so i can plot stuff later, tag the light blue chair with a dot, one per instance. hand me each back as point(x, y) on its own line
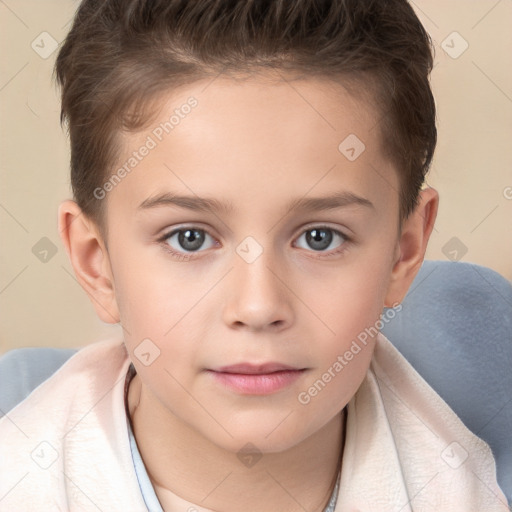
point(455, 328)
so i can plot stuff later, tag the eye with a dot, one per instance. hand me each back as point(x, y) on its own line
point(185, 240)
point(320, 238)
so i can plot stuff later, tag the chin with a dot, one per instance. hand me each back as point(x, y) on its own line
point(258, 436)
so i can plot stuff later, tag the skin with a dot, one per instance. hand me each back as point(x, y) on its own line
point(257, 144)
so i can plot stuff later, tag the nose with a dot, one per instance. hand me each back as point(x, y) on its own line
point(258, 296)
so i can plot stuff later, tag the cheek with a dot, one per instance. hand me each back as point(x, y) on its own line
point(350, 306)
point(151, 299)
point(352, 298)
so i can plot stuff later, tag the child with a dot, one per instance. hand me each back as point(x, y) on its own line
point(247, 199)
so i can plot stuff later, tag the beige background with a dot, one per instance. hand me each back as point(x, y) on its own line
point(42, 303)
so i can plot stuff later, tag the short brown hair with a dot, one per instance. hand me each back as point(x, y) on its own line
point(121, 54)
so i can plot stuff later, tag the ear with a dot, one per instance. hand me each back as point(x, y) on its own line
point(89, 258)
point(411, 246)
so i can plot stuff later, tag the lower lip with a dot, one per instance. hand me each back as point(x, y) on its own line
point(262, 384)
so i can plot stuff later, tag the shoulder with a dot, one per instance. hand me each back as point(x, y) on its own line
point(429, 437)
point(24, 369)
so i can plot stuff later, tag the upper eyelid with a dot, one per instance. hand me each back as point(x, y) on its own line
point(321, 225)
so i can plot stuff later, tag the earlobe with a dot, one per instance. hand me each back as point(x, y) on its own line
point(89, 258)
point(412, 245)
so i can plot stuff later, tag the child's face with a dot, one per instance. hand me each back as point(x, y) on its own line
point(262, 285)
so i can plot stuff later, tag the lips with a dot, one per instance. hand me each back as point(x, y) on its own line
point(256, 379)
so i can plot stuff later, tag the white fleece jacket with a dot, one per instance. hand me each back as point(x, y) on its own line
point(66, 447)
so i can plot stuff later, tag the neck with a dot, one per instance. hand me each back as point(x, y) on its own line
point(188, 469)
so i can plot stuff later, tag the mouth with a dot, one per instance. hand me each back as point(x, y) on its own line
point(263, 379)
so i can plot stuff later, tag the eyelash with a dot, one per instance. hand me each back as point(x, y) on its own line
point(191, 255)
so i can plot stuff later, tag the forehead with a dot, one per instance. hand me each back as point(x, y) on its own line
point(256, 137)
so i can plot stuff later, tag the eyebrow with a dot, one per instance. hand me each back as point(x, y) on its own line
point(210, 205)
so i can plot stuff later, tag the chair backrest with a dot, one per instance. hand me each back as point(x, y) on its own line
point(455, 328)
